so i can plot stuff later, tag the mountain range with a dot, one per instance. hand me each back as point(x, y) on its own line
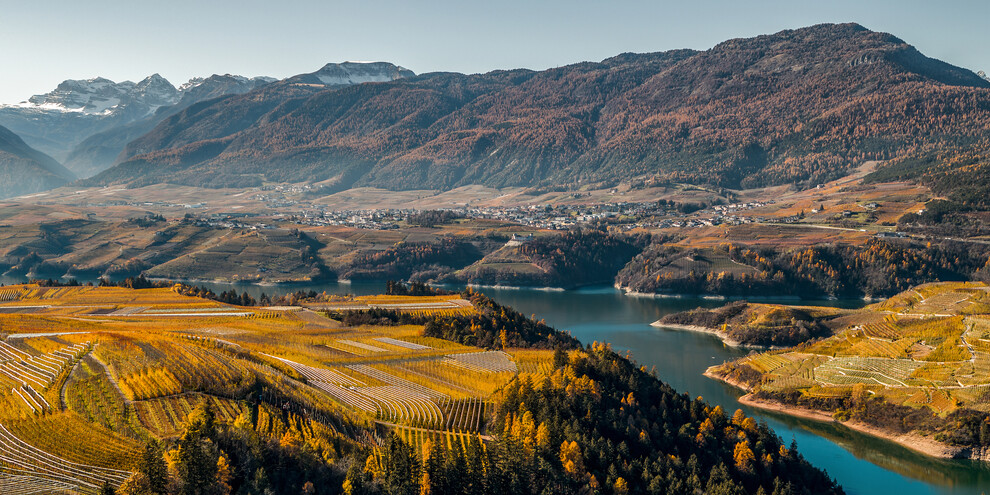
point(87, 123)
point(798, 106)
point(98, 151)
point(59, 122)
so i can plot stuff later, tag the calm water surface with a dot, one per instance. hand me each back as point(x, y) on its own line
point(861, 464)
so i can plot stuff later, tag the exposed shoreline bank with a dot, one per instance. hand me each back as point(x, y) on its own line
point(718, 297)
point(911, 440)
point(729, 341)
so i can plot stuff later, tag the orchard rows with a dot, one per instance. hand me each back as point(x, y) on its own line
point(26, 375)
point(28, 468)
point(379, 390)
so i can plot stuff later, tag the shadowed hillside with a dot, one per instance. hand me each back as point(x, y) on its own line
point(24, 170)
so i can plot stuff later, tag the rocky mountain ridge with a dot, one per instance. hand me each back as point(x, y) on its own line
point(87, 123)
point(57, 121)
point(798, 106)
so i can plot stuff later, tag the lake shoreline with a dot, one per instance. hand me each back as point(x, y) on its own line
point(729, 341)
point(911, 440)
point(285, 283)
point(720, 297)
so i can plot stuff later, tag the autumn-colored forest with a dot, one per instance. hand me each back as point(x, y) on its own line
point(797, 106)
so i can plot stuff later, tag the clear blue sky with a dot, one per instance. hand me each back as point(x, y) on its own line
point(42, 43)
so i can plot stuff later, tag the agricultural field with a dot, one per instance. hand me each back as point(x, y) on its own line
point(116, 367)
point(449, 305)
point(927, 347)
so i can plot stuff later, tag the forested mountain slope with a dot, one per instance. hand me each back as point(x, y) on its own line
point(798, 105)
point(99, 151)
point(25, 170)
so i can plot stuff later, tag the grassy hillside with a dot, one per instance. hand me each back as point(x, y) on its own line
point(180, 249)
point(760, 325)
point(572, 259)
point(874, 267)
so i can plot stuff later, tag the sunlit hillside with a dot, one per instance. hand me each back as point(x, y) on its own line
point(136, 391)
point(899, 364)
point(113, 367)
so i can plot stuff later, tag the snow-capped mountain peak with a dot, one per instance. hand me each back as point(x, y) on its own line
point(61, 121)
point(192, 83)
point(983, 75)
point(101, 96)
point(198, 81)
point(202, 88)
point(347, 73)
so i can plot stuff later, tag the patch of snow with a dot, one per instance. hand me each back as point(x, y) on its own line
point(190, 84)
point(101, 105)
point(347, 73)
point(45, 107)
point(353, 79)
point(100, 96)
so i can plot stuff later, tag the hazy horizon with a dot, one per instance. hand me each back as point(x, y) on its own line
point(121, 41)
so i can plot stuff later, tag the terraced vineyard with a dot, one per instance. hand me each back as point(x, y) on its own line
point(7, 295)
point(928, 347)
point(92, 394)
point(852, 370)
point(384, 390)
point(485, 362)
point(33, 467)
point(464, 414)
point(115, 367)
point(419, 306)
point(29, 376)
point(32, 485)
point(418, 437)
point(165, 417)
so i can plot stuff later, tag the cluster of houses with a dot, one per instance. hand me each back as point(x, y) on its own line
point(623, 215)
point(627, 216)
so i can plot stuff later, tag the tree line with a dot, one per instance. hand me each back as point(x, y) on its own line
point(493, 327)
point(879, 268)
point(597, 425)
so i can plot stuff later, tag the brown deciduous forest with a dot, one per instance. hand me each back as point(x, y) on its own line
point(798, 106)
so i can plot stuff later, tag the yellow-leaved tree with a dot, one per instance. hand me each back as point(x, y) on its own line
point(743, 457)
point(571, 458)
